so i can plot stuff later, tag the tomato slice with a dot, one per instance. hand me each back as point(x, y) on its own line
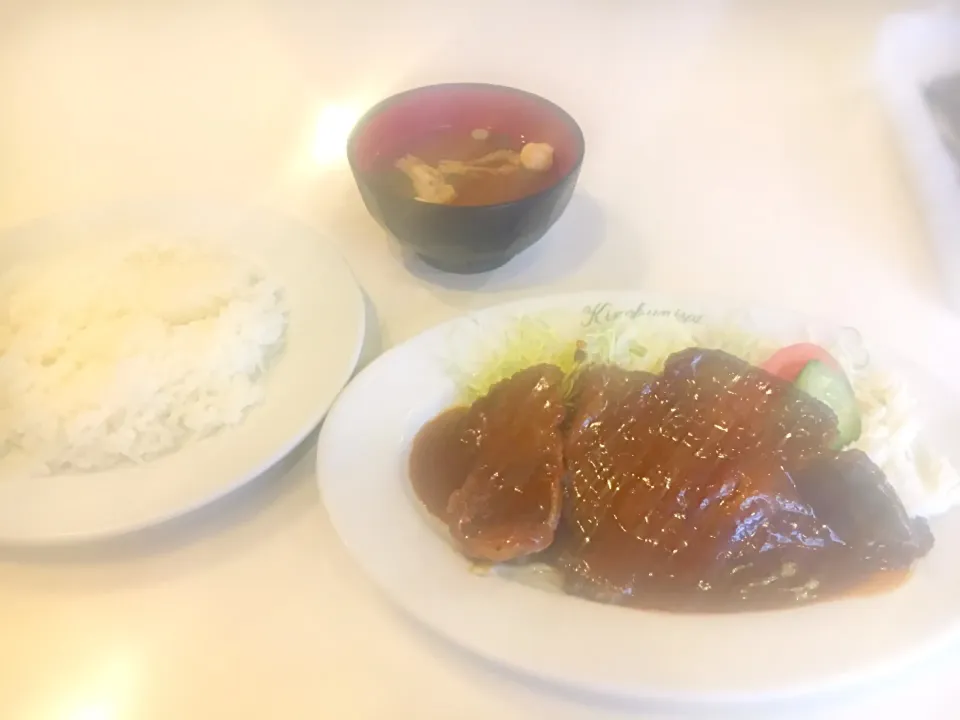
point(787, 362)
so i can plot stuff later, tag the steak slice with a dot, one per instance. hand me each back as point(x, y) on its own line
point(509, 503)
point(596, 386)
point(849, 493)
point(743, 538)
point(690, 494)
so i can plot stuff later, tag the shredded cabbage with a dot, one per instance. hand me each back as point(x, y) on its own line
point(634, 344)
point(926, 481)
point(529, 341)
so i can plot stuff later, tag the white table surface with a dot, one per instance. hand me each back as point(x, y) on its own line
point(734, 148)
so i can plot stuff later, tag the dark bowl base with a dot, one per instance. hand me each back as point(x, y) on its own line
point(466, 266)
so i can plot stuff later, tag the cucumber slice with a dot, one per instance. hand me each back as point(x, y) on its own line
point(831, 387)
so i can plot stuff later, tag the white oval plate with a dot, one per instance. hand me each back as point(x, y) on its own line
point(362, 472)
point(324, 336)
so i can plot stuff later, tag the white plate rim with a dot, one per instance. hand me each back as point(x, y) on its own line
point(192, 216)
point(545, 665)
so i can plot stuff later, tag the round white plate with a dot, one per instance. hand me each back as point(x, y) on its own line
point(362, 472)
point(324, 336)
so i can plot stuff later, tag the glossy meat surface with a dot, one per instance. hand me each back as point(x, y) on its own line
point(688, 495)
point(509, 502)
point(849, 493)
point(711, 487)
point(599, 385)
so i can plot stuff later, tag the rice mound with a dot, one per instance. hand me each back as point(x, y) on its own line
point(124, 352)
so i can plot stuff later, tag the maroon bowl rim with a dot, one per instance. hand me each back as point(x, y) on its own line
point(392, 99)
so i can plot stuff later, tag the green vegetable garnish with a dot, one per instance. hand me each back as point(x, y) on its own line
point(530, 341)
point(831, 387)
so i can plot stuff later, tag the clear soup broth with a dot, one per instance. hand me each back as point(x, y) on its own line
point(482, 167)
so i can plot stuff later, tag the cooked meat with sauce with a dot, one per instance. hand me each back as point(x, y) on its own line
point(503, 478)
point(849, 493)
point(712, 487)
point(599, 385)
point(673, 487)
point(692, 493)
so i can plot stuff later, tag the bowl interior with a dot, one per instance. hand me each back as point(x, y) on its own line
point(385, 133)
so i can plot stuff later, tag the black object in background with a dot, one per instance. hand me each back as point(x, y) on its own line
point(943, 99)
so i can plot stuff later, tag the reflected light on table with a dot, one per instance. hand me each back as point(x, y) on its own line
point(331, 130)
point(105, 711)
point(104, 695)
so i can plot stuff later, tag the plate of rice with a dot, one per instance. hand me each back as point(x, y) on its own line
point(154, 358)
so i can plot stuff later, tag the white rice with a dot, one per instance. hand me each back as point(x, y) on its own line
point(124, 352)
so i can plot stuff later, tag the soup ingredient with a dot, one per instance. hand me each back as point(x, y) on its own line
point(429, 184)
point(709, 487)
point(829, 385)
point(506, 468)
point(499, 162)
point(452, 167)
point(126, 351)
point(537, 156)
point(787, 362)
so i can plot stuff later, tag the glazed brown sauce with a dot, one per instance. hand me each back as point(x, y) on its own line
point(439, 460)
point(441, 453)
point(882, 582)
point(473, 189)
